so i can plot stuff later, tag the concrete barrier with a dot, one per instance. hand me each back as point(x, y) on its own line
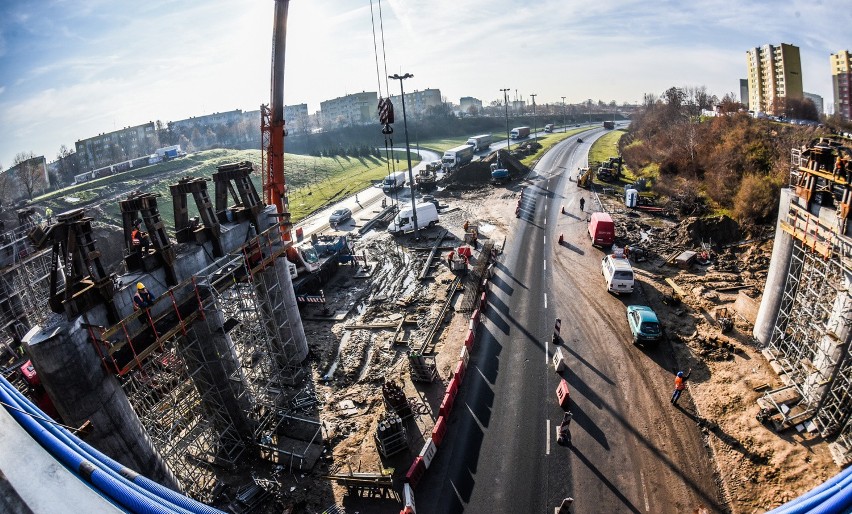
point(458, 373)
point(439, 431)
point(415, 472)
point(408, 498)
point(428, 452)
point(447, 404)
point(468, 342)
point(464, 356)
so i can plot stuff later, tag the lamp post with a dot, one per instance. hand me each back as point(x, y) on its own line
point(564, 126)
point(396, 76)
point(535, 137)
point(506, 104)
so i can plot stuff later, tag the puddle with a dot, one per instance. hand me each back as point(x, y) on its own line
point(344, 340)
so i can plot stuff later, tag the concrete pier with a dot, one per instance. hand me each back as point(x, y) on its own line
point(776, 278)
point(73, 375)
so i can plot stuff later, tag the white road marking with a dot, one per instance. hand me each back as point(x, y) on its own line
point(644, 491)
point(545, 300)
point(545, 240)
point(547, 438)
point(545, 264)
point(545, 220)
point(546, 352)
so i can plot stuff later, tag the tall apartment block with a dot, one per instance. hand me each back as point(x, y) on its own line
point(117, 146)
point(354, 109)
point(774, 72)
point(841, 79)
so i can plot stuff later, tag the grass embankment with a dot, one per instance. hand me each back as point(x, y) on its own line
point(604, 148)
point(313, 182)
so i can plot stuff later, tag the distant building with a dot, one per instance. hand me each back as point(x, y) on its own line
point(518, 105)
point(418, 103)
point(26, 179)
point(841, 80)
point(817, 100)
point(296, 118)
point(118, 146)
point(217, 119)
point(356, 109)
point(774, 73)
point(466, 103)
point(744, 92)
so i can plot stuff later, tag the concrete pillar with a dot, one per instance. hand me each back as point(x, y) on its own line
point(776, 278)
point(73, 375)
point(291, 342)
point(211, 360)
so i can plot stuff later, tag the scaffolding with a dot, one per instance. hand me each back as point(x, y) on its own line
point(810, 342)
point(206, 367)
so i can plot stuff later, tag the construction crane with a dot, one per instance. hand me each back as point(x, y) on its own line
point(272, 126)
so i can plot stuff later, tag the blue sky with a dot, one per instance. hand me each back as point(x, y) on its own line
point(71, 69)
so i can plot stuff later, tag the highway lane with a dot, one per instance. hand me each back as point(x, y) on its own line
point(632, 451)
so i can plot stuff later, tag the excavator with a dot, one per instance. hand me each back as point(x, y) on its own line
point(303, 254)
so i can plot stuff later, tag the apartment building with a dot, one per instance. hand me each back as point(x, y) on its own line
point(24, 180)
point(296, 117)
point(774, 73)
point(355, 109)
point(817, 100)
point(118, 146)
point(466, 103)
point(417, 103)
point(841, 80)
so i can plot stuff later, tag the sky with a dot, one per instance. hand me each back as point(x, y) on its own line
point(72, 69)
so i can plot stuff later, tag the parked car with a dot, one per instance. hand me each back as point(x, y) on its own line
point(430, 199)
point(339, 216)
point(644, 324)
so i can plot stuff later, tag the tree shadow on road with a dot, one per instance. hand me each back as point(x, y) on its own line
point(603, 479)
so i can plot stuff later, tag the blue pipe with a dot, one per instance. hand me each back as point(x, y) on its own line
point(115, 490)
point(840, 502)
point(115, 469)
point(814, 501)
point(816, 490)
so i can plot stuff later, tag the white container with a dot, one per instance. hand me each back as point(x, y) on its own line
point(631, 198)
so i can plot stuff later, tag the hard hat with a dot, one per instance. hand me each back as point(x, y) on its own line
point(679, 373)
point(140, 285)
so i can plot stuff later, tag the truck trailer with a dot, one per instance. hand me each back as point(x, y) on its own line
point(520, 132)
point(480, 143)
point(393, 181)
point(456, 157)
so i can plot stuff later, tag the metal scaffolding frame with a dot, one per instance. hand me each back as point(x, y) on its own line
point(181, 390)
point(813, 330)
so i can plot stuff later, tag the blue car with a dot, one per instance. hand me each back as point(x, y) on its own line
point(644, 324)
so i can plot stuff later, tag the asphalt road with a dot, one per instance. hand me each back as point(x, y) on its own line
point(632, 451)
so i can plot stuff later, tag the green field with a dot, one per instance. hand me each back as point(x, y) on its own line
point(549, 141)
point(602, 150)
point(313, 182)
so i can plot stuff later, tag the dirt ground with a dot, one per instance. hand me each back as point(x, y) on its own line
point(760, 469)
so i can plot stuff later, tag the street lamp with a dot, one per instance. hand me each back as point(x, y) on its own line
point(564, 126)
point(506, 104)
point(396, 76)
point(535, 137)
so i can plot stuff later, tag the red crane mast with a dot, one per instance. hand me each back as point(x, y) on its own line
point(272, 125)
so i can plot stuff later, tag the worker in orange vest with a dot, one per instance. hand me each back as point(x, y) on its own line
point(138, 239)
point(680, 385)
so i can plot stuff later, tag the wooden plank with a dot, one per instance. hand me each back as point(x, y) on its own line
point(676, 288)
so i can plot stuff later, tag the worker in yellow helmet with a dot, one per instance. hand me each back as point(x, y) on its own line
point(143, 298)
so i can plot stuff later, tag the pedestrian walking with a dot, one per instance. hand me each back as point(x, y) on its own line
point(582, 203)
point(680, 385)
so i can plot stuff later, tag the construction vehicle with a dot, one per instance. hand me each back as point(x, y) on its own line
point(610, 171)
point(303, 255)
point(426, 178)
point(584, 177)
point(499, 173)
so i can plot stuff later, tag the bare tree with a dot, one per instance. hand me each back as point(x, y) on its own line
point(29, 173)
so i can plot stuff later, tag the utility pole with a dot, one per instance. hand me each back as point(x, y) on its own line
point(396, 76)
point(564, 126)
point(535, 137)
point(506, 104)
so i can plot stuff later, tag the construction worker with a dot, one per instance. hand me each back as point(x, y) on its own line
point(466, 225)
point(582, 203)
point(680, 385)
point(143, 298)
point(48, 213)
point(138, 239)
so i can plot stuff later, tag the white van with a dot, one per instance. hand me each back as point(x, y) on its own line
point(427, 215)
point(618, 274)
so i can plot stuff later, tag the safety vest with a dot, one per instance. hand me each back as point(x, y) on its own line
point(136, 237)
point(680, 385)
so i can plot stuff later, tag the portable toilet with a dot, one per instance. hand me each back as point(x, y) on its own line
point(631, 198)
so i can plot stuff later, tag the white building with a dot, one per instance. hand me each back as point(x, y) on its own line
point(356, 109)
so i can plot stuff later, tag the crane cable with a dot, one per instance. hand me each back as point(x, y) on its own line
point(390, 163)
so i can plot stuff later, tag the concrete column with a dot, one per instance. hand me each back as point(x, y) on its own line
point(290, 341)
point(211, 360)
point(776, 278)
point(73, 375)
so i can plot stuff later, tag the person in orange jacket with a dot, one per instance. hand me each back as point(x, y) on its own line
point(680, 385)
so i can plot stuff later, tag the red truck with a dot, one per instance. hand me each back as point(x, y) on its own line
point(602, 229)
